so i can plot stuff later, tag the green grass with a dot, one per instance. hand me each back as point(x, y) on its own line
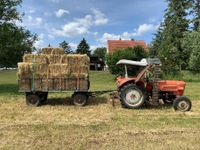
point(60, 125)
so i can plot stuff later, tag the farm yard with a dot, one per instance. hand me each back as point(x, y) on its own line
point(99, 125)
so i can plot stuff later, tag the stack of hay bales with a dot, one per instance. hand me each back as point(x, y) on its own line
point(54, 70)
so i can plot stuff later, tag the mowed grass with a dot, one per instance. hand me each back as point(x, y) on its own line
point(99, 125)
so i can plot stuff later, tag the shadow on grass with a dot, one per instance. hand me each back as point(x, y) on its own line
point(160, 106)
point(9, 89)
point(68, 101)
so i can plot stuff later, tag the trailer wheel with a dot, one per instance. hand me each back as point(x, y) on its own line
point(32, 99)
point(182, 103)
point(79, 99)
point(132, 96)
point(43, 97)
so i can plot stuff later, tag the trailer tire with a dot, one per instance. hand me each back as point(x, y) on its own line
point(132, 90)
point(43, 97)
point(32, 99)
point(182, 103)
point(79, 99)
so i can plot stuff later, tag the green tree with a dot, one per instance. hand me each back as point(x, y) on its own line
point(136, 53)
point(196, 14)
point(66, 47)
point(100, 52)
point(8, 10)
point(14, 41)
point(168, 40)
point(83, 47)
point(191, 43)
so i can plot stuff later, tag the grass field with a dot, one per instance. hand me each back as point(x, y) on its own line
point(59, 125)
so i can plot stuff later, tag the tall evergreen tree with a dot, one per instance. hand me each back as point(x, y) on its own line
point(83, 47)
point(66, 47)
point(168, 40)
point(196, 13)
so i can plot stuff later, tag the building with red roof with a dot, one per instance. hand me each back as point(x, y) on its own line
point(113, 45)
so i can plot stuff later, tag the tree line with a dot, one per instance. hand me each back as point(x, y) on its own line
point(176, 42)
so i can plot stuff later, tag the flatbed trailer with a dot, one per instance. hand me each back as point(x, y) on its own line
point(36, 90)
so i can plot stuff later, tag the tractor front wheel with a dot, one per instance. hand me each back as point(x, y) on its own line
point(132, 96)
point(182, 103)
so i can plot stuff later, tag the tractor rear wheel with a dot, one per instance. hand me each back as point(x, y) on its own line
point(79, 99)
point(182, 103)
point(132, 96)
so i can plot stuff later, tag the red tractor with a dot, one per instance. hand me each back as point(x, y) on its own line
point(147, 88)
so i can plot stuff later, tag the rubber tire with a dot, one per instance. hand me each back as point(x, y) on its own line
point(79, 99)
point(32, 100)
point(180, 99)
point(43, 97)
point(123, 96)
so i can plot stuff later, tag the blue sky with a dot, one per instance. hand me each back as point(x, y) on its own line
point(96, 20)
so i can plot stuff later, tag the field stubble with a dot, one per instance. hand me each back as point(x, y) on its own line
point(99, 125)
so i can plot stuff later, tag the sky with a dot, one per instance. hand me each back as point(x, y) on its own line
point(96, 20)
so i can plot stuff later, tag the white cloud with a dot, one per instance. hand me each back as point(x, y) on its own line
point(61, 12)
point(40, 42)
point(81, 26)
point(73, 46)
point(100, 18)
point(78, 26)
point(51, 36)
point(37, 22)
point(144, 28)
point(126, 35)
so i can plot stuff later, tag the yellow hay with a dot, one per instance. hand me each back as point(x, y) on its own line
point(57, 51)
point(54, 71)
point(54, 59)
point(39, 58)
point(47, 50)
point(27, 70)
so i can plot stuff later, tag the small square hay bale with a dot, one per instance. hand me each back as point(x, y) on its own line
point(69, 84)
point(54, 59)
point(54, 71)
point(79, 75)
point(83, 84)
point(39, 58)
point(26, 70)
point(65, 70)
point(24, 84)
point(40, 70)
point(57, 51)
point(47, 50)
point(41, 84)
point(54, 84)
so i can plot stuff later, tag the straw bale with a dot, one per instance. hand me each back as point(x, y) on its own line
point(47, 50)
point(79, 75)
point(25, 84)
point(54, 84)
point(26, 70)
point(65, 70)
point(77, 59)
point(54, 59)
point(39, 58)
point(54, 71)
point(57, 51)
